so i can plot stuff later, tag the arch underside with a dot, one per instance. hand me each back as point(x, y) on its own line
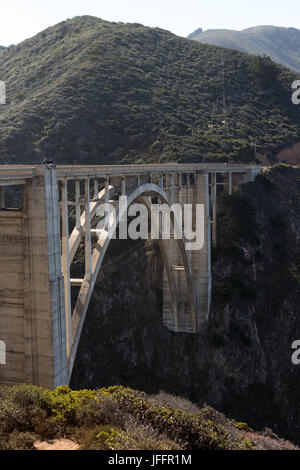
point(175, 276)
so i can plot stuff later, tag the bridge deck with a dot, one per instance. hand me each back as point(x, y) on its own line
point(16, 173)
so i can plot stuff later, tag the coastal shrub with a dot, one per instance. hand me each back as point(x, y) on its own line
point(65, 403)
point(114, 418)
point(173, 401)
point(190, 431)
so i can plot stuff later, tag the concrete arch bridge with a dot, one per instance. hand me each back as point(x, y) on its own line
point(42, 307)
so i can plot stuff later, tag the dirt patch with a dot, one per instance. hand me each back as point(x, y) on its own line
point(56, 444)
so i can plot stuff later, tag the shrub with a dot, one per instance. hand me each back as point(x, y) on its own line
point(18, 404)
point(243, 427)
point(114, 418)
point(65, 403)
point(173, 401)
point(102, 438)
point(190, 431)
point(104, 410)
point(21, 441)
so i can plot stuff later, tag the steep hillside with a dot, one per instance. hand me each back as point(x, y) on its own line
point(90, 91)
point(281, 44)
point(240, 363)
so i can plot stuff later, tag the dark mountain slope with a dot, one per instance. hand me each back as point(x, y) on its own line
point(281, 44)
point(89, 91)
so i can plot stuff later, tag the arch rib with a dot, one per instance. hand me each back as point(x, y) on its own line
point(77, 233)
point(99, 252)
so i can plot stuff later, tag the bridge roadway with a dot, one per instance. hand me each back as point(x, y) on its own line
point(9, 174)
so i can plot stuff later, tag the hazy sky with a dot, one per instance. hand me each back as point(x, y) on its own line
point(20, 19)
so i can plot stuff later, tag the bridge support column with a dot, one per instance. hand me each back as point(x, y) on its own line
point(230, 183)
point(66, 258)
point(87, 232)
point(44, 306)
point(201, 260)
point(214, 207)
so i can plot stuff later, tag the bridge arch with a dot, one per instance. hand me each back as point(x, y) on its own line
point(141, 194)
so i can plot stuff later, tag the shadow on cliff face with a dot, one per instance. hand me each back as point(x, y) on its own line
point(240, 362)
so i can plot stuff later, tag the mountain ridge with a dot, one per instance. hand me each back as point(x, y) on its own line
point(281, 44)
point(90, 91)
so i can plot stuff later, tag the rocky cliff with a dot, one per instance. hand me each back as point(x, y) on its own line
point(240, 363)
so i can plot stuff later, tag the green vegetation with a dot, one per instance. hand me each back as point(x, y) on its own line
point(119, 418)
point(243, 427)
point(281, 44)
point(89, 91)
point(112, 418)
point(264, 71)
